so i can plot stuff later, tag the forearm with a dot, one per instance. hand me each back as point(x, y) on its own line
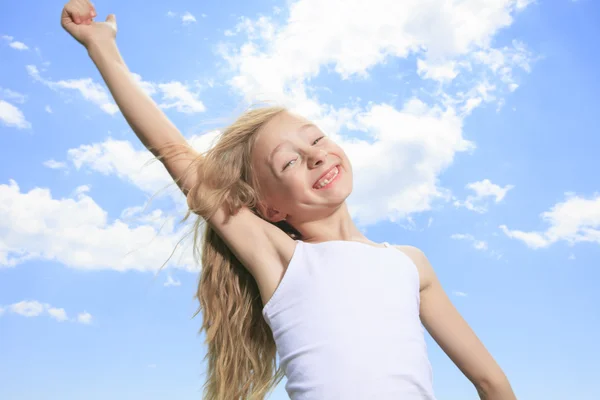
point(145, 118)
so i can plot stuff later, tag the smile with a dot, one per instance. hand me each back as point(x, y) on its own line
point(327, 178)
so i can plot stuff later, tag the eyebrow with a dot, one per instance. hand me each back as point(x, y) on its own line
point(300, 130)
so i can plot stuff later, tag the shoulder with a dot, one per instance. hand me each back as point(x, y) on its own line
point(418, 257)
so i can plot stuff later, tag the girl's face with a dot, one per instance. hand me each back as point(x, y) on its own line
point(303, 175)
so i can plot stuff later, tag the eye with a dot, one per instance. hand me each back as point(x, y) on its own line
point(289, 164)
point(318, 140)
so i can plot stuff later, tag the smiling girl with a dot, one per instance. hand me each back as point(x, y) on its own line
point(285, 271)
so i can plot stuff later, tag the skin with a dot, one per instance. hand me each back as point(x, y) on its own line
point(288, 193)
point(289, 157)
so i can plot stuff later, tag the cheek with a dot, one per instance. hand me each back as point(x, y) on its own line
point(285, 191)
point(295, 185)
point(341, 154)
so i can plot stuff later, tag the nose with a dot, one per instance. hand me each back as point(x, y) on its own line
point(316, 157)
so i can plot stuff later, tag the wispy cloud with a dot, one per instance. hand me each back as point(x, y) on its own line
point(53, 164)
point(172, 282)
point(485, 191)
point(186, 18)
point(34, 308)
point(14, 43)
point(8, 94)
point(84, 318)
point(12, 116)
point(577, 219)
point(90, 90)
point(477, 244)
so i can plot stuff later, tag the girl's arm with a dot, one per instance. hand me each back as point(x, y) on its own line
point(455, 337)
point(243, 232)
point(144, 117)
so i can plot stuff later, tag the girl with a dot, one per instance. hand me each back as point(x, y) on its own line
point(284, 269)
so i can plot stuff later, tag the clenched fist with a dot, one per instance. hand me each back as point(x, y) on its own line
point(78, 19)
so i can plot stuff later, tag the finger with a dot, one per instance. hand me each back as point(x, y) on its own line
point(84, 10)
point(112, 19)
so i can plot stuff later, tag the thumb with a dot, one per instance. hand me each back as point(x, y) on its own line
point(112, 19)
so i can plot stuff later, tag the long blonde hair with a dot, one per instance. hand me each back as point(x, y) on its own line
point(241, 350)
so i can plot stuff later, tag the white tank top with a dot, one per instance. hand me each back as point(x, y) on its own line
point(345, 318)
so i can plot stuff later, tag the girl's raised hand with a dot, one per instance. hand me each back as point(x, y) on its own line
point(78, 19)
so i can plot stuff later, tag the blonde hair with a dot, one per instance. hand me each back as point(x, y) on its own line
point(241, 349)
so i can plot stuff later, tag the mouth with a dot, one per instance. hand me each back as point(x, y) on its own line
point(327, 178)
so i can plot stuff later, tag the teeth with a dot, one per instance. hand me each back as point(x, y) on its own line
point(325, 181)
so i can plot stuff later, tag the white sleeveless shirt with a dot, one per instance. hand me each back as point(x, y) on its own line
point(345, 318)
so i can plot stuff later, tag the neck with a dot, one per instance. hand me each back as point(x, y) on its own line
point(336, 226)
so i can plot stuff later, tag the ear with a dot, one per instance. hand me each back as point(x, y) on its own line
point(270, 214)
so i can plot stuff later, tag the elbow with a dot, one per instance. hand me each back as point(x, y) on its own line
point(494, 388)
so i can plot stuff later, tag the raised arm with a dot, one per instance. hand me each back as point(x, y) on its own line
point(243, 232)
point(145, 118)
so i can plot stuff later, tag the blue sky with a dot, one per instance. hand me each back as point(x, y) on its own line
point(472, 127)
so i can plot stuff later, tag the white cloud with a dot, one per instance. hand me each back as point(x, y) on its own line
point(445, 71)
point(33, 308)
point(261, 28)
point(34, 72)
point(77, 232)
point(16, 97)
point(48, 109)
point(484, 190)
point(81, 190)
point(396, 174)
point(53, 164)
point(187, 18)
point(90, 90)
point(19, 46)
point(27, 308)
point(177, 95)
point(174, 94)
point(460, 294)
point(11, 116)
point(172, 282)
point(366, 34)
point(84, 318)
point(398, 153)
point(15, 44)
point(152, 366)
point(477, 244)
point(577, 219)
point(58, 314)
point(120, 158)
